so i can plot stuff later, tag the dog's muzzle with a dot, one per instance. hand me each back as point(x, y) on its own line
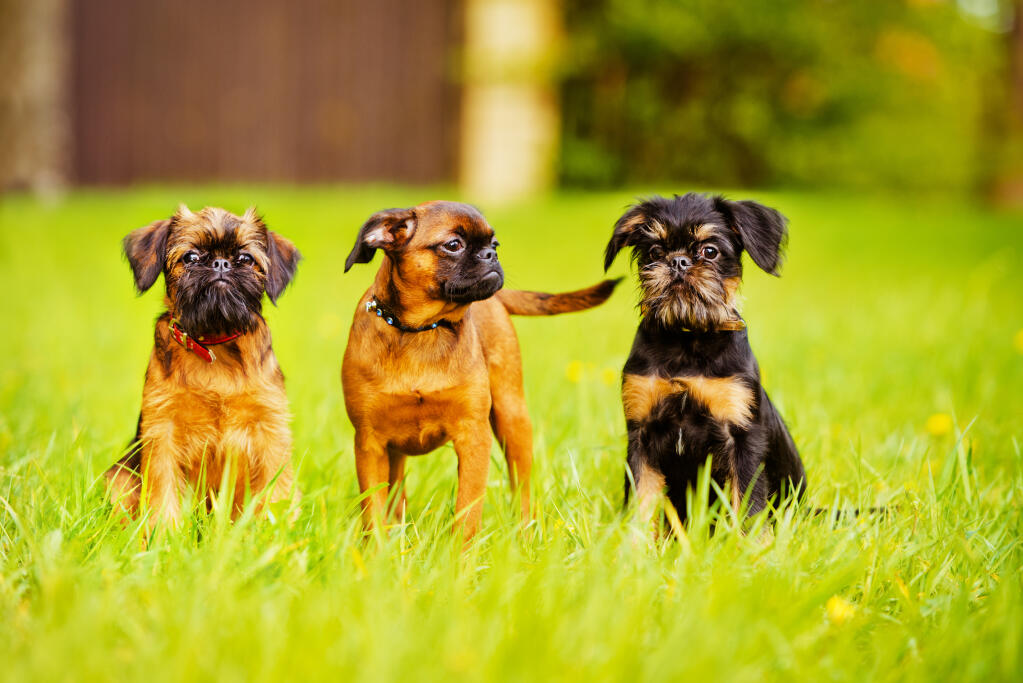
point(484, 288)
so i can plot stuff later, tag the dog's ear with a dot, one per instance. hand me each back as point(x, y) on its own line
point(284, 258)
point(281, 255)
point(624, 233)
point(390, 229)
point(146, 249)
point(762, 230)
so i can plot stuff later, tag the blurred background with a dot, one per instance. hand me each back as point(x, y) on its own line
point(512, 98)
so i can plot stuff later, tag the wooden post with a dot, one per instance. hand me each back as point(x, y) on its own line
point(34, 125)
point(510, 115)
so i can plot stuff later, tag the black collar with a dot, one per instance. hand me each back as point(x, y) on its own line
point(385, 314)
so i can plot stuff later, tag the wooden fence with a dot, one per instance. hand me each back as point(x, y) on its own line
point(264, 90)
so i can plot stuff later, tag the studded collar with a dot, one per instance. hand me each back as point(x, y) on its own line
point(374, 307)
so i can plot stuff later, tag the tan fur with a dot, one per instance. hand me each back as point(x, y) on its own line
point(649, 491)
point(712, 306)
point(655, 229)
point(201, 420)
point(410, 393)
point(640, 393)
point(540, 303)
point(705, 232)
point(727, 399)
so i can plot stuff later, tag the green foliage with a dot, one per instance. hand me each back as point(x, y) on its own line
point(891, 343)
point(790, 92)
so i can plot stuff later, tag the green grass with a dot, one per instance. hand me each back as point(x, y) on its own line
point(888, 312)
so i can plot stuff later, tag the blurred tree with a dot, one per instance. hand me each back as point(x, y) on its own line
point(33, 117)
point(1007, 115)
point(797, 92)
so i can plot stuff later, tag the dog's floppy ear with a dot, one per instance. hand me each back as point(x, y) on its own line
point(146, 249)
point(389, 229)
point(284, 258)
point(762, 230)
point(281, 255)
point(624, 232)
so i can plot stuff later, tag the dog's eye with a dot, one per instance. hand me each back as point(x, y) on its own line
point(494, 244)
point(710, 253)
point(190, 257)
point(244, 259)
point(453, 246)
point(656, 253)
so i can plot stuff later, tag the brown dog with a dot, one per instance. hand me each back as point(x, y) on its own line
point(213, 401)
point(432, 355)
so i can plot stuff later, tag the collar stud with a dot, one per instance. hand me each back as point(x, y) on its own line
point(393, 321)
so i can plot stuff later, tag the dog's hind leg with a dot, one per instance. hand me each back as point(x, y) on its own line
point(784, 467)
point(472, 445)
point(514, 431)
point(509, 416)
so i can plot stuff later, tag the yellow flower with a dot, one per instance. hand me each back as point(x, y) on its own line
point(839, 610)
point(939, 424)
point(1017, 341)
point(574, 371)
point(609, 376)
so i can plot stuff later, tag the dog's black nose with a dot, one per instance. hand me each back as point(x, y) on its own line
point(487, 254)
point(681, 262)
point(221, 264)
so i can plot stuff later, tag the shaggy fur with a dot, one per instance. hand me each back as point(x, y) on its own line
point(202, 421)
point(691, 385)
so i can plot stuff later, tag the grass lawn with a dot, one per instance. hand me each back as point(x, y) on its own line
point(892, 344)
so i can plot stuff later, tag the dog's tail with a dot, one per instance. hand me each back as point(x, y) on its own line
point(519, 302)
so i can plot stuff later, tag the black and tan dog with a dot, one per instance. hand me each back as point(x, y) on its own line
point(432, 355)
point(691, 385)
point(213, 400)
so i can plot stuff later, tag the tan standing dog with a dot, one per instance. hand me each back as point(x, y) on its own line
point(432, 355)
point(213, 400)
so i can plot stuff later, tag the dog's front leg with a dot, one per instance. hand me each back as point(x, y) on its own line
point(649, 482)
point(372, 466)
point(262, 449)
point(163, 482)
point(472, 445)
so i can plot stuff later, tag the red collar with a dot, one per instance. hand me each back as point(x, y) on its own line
point(198, 346)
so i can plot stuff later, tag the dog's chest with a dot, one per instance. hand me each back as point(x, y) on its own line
point(727, 400)
point(416, 405)
point(690, 377)
point(208, 421)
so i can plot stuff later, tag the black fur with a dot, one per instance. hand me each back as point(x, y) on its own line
point(205, 307)
point(679, 433)
point(762, 229)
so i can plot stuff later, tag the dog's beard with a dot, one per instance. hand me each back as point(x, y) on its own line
point(206, 305)
point(698, 300)
point(466, 292)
